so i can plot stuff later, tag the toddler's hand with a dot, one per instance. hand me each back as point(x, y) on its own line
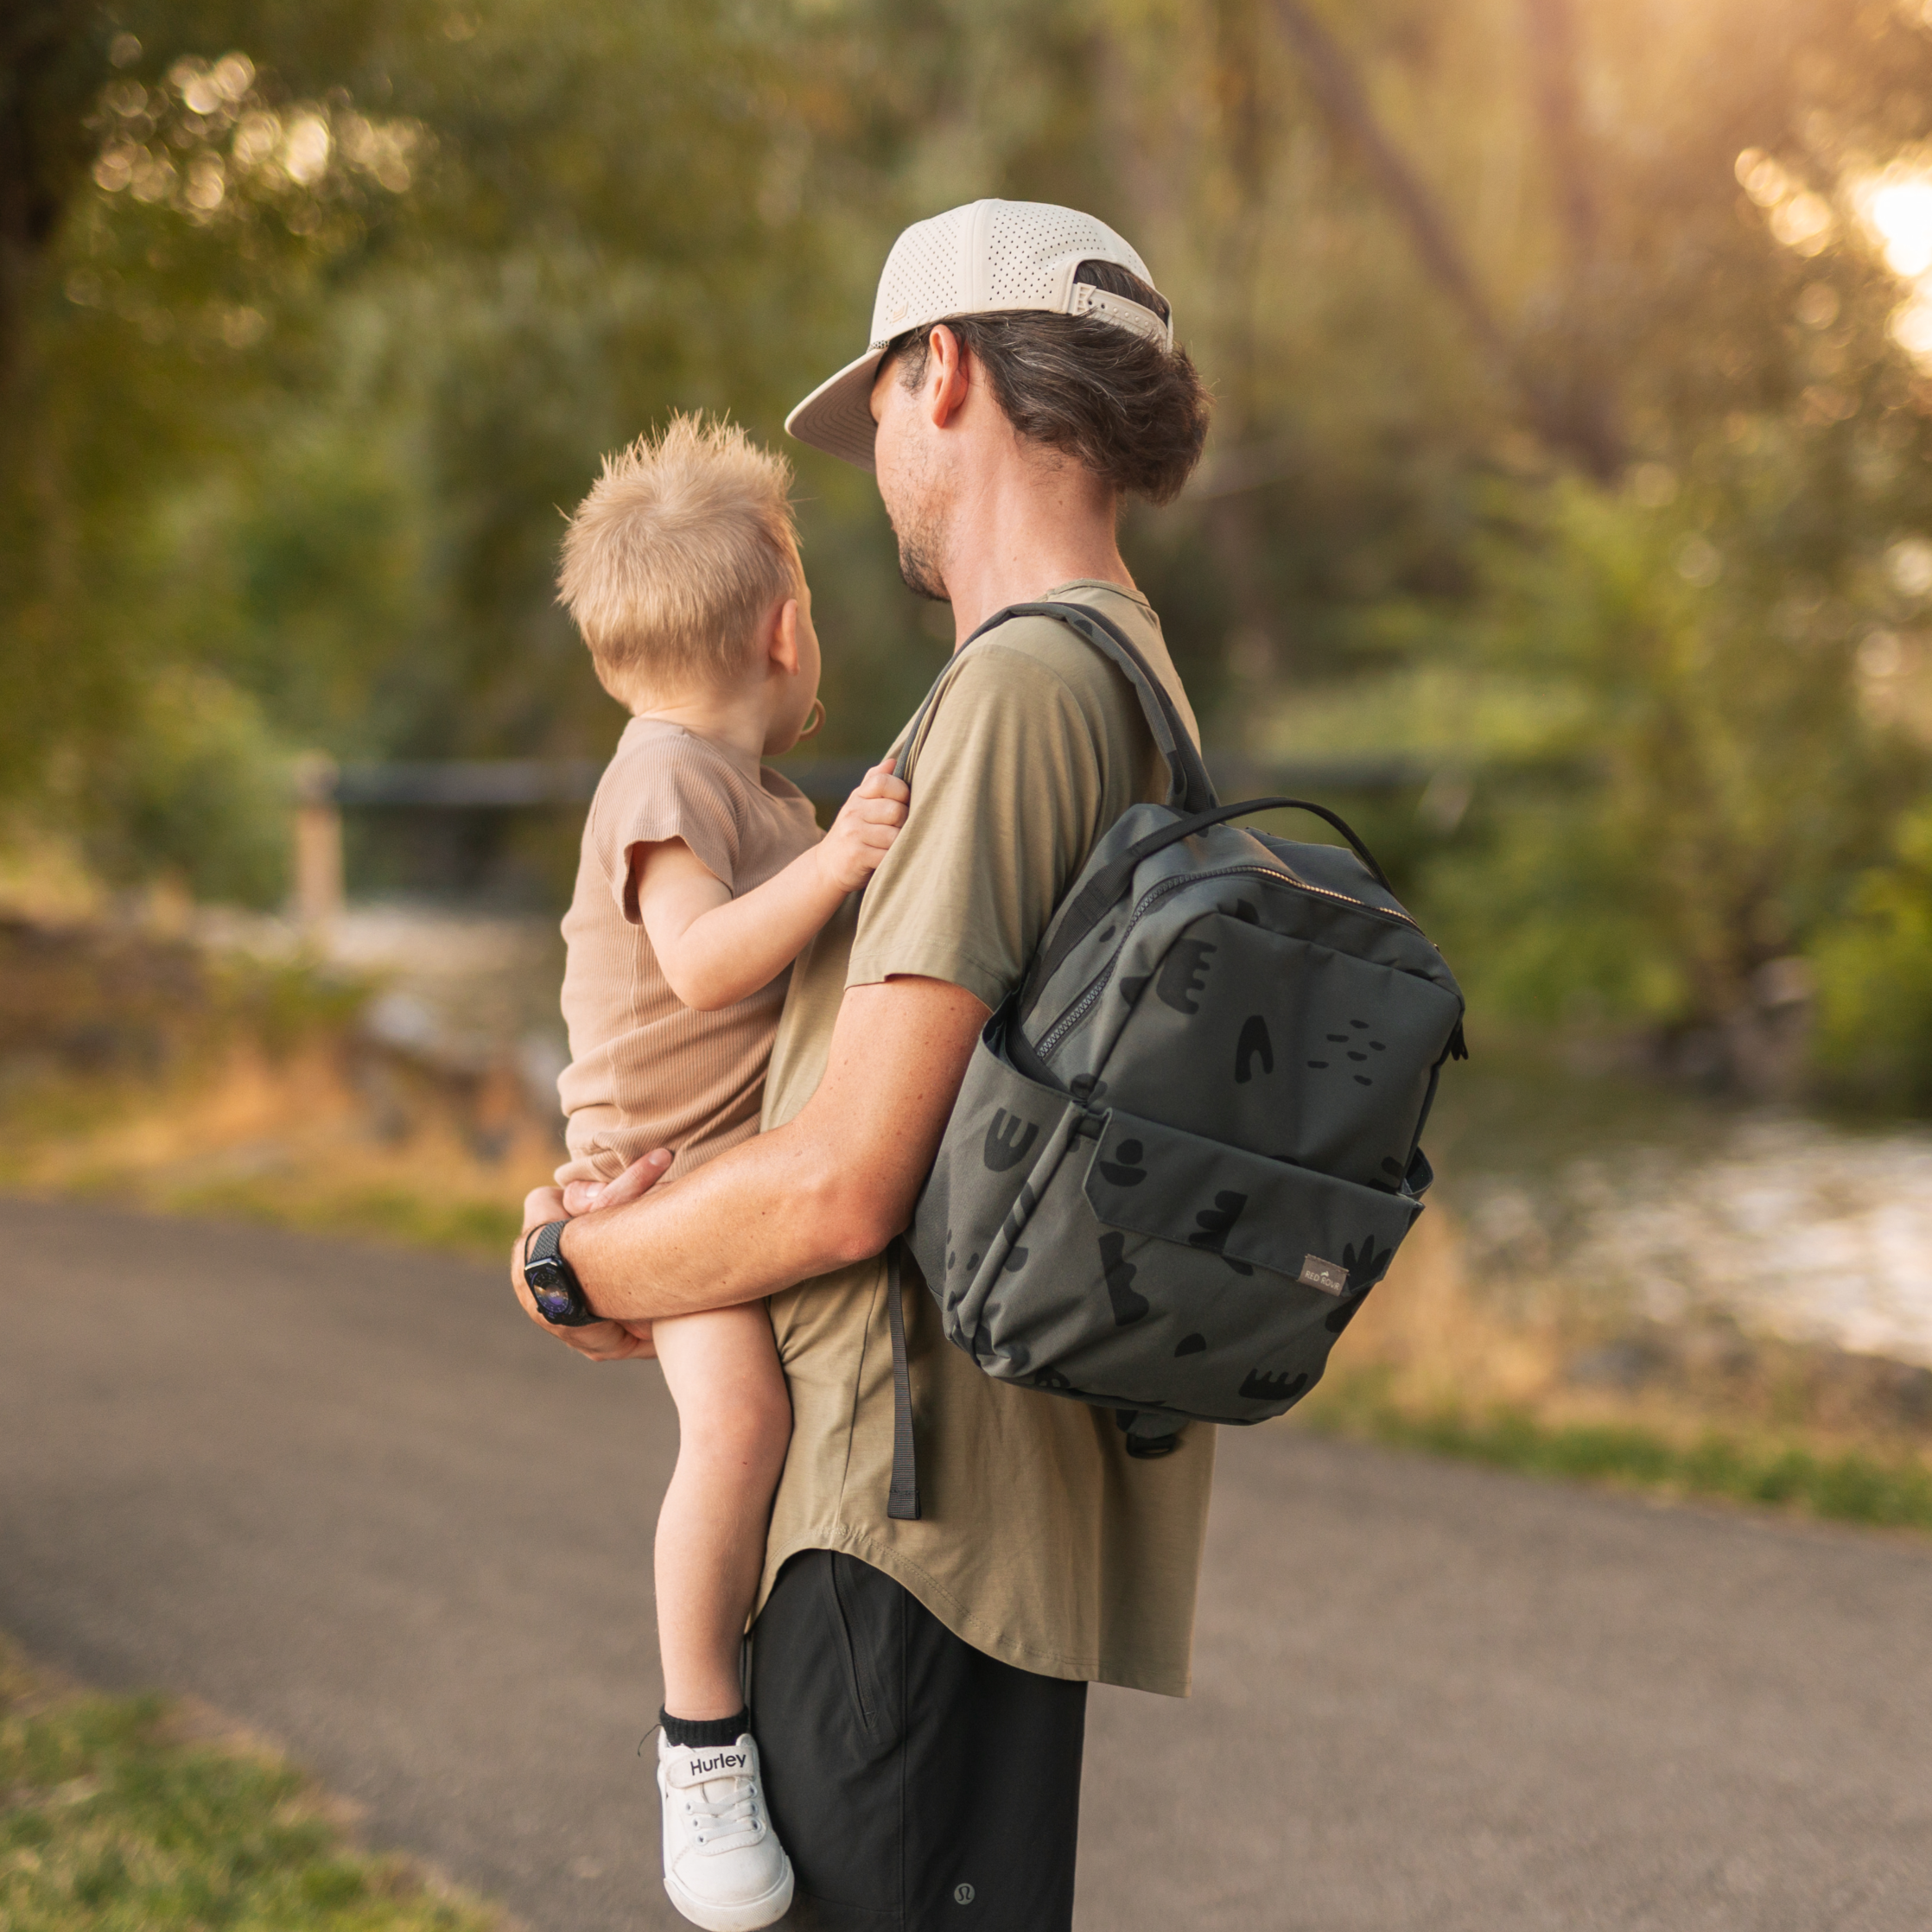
point(586, 1197)
point(863, 832)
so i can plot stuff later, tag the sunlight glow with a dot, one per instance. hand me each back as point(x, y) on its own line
point(1894, 207)
point(165, 146)
point(1897, 209)
point(1912, 326)
point(305, 148)
point(1802, 220)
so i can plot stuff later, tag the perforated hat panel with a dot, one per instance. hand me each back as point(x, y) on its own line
point(986, 257)
point(921, 278)
point(1027, 242)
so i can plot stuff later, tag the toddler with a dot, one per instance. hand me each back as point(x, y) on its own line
point(703, 875)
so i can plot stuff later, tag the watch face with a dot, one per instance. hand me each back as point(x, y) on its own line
point(549, 1288)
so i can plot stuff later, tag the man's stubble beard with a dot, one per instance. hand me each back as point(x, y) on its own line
point(920, 527)
point(919, 563)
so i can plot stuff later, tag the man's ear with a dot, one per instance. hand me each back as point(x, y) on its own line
point(782, 637)
point(947, 383)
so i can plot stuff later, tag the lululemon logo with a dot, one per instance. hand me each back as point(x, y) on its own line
point(963, 1894)
point(1009, 1140)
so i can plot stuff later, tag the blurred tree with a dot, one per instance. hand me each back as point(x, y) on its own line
point(1575, 261)
point(1705, 784)
point(1706, 624)
point(1875, 975)
point(1519, 312)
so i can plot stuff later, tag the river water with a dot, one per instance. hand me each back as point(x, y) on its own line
point(1790, 1225)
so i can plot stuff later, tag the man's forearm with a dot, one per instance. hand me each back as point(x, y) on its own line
point(831, 1187)
point(752, 1221)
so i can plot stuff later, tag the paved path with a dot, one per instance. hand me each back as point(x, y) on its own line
point(346, 1495)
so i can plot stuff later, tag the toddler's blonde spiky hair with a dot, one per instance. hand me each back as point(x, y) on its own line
point(680, 549)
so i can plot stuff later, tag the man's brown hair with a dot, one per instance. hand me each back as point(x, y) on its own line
point(1131, 409)
point(682, 547)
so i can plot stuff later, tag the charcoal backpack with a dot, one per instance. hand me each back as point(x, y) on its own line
point(1188, 1145)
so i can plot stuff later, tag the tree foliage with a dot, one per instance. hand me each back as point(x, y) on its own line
point(1558, 357)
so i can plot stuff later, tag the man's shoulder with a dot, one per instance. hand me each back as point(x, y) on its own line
point(1029, 653)
point(1046, 659)
point(1057, 644)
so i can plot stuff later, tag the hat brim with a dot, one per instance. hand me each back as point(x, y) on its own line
point(837, 416)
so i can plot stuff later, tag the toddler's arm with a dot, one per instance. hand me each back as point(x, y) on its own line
point(714, 948)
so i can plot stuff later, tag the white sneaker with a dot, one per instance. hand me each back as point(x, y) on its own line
point(724, 1867)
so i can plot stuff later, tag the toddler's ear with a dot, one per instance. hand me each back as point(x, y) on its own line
point(783, 649)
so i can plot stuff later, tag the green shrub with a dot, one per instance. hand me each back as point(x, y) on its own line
point(1875, 976)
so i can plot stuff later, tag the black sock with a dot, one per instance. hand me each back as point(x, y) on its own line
point(703, 1733)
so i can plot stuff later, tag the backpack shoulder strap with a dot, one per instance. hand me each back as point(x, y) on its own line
point(1189, 787)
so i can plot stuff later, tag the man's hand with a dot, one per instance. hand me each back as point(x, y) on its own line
point(603, 1341)
point(863, 832)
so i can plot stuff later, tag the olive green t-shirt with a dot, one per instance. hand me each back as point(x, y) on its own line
point(1042, 1541)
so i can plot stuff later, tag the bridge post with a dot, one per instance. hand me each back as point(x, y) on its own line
point(318, 843)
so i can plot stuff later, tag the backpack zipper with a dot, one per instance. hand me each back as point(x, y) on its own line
point(1050, 1041)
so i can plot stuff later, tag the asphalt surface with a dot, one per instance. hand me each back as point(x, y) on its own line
point(348, 1496)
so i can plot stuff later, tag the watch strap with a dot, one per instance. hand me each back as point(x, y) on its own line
point(545, 1244)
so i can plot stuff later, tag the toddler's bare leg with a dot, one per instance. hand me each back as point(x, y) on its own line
point(733, 1423)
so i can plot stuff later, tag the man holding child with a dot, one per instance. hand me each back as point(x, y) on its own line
point(917, 1687)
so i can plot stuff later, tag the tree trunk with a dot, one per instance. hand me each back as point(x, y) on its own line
point(1344, 101)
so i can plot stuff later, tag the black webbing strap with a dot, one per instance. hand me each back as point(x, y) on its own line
point(1189, 790)
point(902, 1500)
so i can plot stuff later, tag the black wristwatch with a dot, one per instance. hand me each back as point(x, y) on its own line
point(552, 1281)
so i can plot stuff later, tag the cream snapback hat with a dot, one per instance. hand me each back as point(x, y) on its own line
point(983, 259)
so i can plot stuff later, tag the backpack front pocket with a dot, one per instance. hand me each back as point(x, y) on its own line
point(1098, 1254)
point(1322, 1232)
point(1161, 1271)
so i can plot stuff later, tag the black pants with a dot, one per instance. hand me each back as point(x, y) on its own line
point(918, 1784)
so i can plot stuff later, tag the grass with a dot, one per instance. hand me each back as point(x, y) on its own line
point(289, 1141)
point(1844, 1485)
point(115, 1817)
point(415, 1216)
point(155, 1072)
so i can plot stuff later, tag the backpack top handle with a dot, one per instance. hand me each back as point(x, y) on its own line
point(1083, 913)
point(1189, 787)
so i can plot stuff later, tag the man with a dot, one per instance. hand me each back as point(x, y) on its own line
point(919, 1687)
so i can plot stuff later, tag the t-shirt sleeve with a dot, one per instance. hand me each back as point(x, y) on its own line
point(664, 792)
point(1007, 793)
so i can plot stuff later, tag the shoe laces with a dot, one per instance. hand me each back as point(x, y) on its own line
point(721, 1823)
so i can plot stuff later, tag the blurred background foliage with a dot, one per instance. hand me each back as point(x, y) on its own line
point(1572, 371)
